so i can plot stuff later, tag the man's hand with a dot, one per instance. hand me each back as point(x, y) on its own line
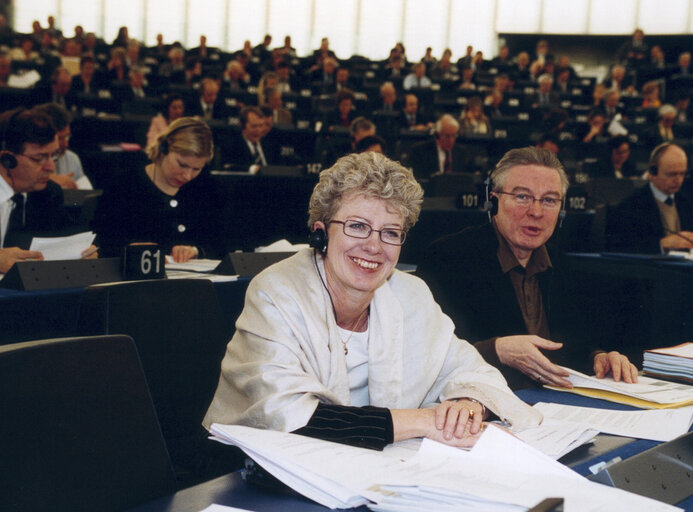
point(522, 353)
point(65, 180)
point(11, 255)
point(680, 240)
point(91, 253)
point(617, 364)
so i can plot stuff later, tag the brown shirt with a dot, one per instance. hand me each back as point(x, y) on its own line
point(525, 281)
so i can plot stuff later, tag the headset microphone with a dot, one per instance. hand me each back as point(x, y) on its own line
point(318, 240)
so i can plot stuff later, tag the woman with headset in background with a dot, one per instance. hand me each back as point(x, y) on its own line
point(167, 202)
point(335, 343)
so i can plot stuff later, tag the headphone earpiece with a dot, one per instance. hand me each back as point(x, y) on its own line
point(655, 156)
point(163, 147)
point(318, 240)
point(491, 203)
point(8, 161)
point(561, 217)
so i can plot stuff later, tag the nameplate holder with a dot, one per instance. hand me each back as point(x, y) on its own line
point(143, 261)
point(664, 473)
point(46, 275)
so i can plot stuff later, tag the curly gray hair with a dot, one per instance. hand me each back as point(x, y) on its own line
point(369, 174)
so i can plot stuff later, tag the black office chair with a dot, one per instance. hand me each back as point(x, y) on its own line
point(77, 427)
point(181, 337)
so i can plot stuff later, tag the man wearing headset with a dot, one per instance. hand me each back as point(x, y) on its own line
point(30, 203)
point(499, 282)
point(442, 155)
point(658, 217)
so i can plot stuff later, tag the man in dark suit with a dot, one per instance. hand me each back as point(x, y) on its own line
point(503, 287)
point(30, 203)
point(55, 90)
point(545, 96)
point(411, 117)
point(659, 216)
point(441, 155)
point(210, 106)
point(248, 148)
point(618, 164)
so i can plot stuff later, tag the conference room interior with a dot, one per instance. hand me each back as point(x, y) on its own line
point(637, 302)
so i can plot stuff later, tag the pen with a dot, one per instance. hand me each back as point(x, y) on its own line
point(90, 252)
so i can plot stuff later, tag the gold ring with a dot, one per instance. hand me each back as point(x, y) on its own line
point(471, 413)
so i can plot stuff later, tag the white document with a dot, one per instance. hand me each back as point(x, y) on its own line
point(193, 265)
point(281, 246)
point(654, 390)
point(223, 508)
point(500, 473)
point(63, 247)
point(555, 438)
point(657, 425)
point(500, 470)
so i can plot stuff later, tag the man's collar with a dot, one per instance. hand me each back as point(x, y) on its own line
point(658, 194)
point(6, 190)
point(539, 260)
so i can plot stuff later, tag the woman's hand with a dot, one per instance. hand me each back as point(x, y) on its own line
point(183, 253)
point(455, 423)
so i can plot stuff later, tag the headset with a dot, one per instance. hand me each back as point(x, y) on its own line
point(491, 203)
point(7, 159)
point(318, 240)
point(164, 147)
point(656, 156)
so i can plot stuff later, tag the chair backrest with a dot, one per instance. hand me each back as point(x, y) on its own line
point(181, 337)
point(77, 427)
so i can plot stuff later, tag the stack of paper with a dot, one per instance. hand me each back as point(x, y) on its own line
point(500, 473)
point(672, 362)
point(647, 393)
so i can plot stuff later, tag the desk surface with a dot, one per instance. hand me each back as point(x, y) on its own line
point(231, 490)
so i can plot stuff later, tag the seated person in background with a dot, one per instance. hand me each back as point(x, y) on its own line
point(618, 164)
point(55, 90)
point(411, 118)
point(441, 155)
point(30, 203)
point(235, 77)
point(467, 81)
point(594, 134)
point(664, 131)
point(612, 104)
point(88, 81)
point(388, 98)
point(335, 343)
point(473, 121)
point(657, 217)
point(250, 148)
point(650, 95)
point(371, 143)
point(173, 108)
point(167, 202)
point(503, 286)
point(273, 100)
point(360, 128)
point(618, 80)
point(68, 167)
point(417, 79)
point(345, 112)
point(545, 96)
point(549, 142)
point(210, 106)
point(174, 68)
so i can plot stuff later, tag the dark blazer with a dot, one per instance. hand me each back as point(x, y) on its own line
point(420, 118)
point(235, 152)
point(605, 169)
point(635, 224)
point(423, 159)
point(45, 215)
point(219, 110)
point(466, 279)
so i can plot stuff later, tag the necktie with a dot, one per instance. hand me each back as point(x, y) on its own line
point(17, 216)
point(669, 201)
point(447, 164)
point(257, 154)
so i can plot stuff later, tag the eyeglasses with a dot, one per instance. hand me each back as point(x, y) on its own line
point(42, 158)
point(358, 229)
point(526, 200)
